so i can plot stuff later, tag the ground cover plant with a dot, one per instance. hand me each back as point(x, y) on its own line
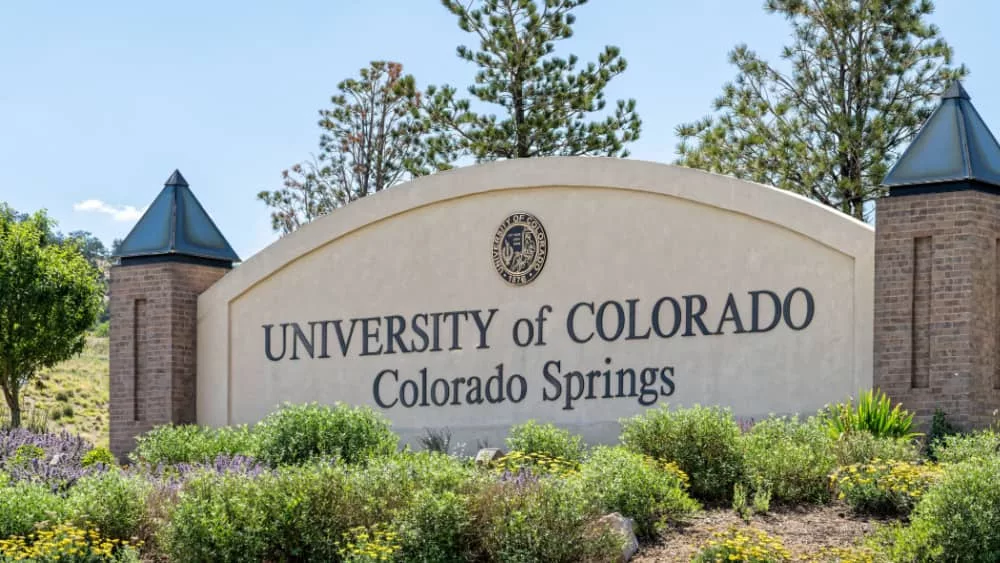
point(331, 483)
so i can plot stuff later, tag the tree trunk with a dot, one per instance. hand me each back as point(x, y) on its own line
point(14, 404)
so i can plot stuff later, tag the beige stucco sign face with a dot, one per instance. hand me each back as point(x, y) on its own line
point(571, 290)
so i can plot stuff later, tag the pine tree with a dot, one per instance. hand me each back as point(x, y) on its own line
point(864, 75)
point(545, 102)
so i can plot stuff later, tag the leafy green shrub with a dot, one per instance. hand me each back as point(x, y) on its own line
point(299, 433)
point(547, 439)
point(874, 414)
point(791, 458)
point(703, 441)
point(190, 443)
point(22, 505)
point(747, 545)
point(434, 527)
point(959, 448)
point(862, 447)
point(638, 487)
point(884, 487)
point(958, 519)
point(113, 501)
point(940, 428)
point(102, 330)
point(98, 455)
point(552, 520)
point(25, 454)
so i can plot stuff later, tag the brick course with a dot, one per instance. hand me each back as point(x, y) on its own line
point(153, 339)
point(936, 304)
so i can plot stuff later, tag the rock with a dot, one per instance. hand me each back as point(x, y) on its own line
point(623, 526)
point(56, 460)
point(488, 455)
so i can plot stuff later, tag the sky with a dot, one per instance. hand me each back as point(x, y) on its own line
point(101, 101)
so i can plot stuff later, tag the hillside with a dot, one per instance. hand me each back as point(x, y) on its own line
point(74, 394)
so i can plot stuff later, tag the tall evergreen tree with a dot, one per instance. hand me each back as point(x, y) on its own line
point(547, 105)
point(863, 76)
point(370, 141)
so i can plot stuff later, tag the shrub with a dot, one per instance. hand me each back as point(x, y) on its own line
point(112, 501)
point(958, 519)
point(59, 464)
point(364, 545)
point(874, 414)
point(793, 459)
point(884, 487)
point(959, 448)
point(703, 441)
point(437, 440)
point(940, 428)
point(862, 447)
point(537, 463)
point(434, 527)
point(534, 438)
point(552, 520)
point(651, 493)
point(299, 433)
point(98, 455)
point(748, 545)
point(189, 443)
point(67, 543)
point(22, 505)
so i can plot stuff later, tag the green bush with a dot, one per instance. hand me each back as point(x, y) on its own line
point(958, 519)
point(22, 505)
point(534, 438)
point(190, 443)
point(98, 455)
point(874, 414)
point(638, 487)
point(862, 447)
point(299, 433)
point(112, 501)
point(703, 441)
point(434, 528)
point(791, 458)
point(884, 487)
point(224, 518)
point(940, 429)
point(959, 448)
point(528, 520)
point(102, 330)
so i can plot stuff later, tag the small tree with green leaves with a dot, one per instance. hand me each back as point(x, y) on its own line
point(49, 297)
point(862, 77)
point(546, 103)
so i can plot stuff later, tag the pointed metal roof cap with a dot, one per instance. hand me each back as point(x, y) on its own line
point(954, 145)
point(177, 225)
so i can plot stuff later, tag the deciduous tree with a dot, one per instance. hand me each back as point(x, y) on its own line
point(547, 105)
point(858, 80)
point(49, 297)
point(370, 141)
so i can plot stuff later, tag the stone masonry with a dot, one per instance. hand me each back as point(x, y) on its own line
point(153, 339)
point(937, 307)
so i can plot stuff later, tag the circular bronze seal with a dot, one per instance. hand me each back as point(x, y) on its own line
point(519, 248)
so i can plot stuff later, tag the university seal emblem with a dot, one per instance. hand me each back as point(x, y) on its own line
point(519, 248)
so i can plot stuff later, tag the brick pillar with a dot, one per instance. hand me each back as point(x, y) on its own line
point(153, 339)
point(937, 306)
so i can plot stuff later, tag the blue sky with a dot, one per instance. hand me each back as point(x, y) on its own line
point(101, 101)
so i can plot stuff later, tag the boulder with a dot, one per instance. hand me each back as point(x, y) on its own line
point(488, 455)
point(618, 523)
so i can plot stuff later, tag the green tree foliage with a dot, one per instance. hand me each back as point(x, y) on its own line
point(544, 101)
point(370, 141)
point(49, 297)
point(862, 78)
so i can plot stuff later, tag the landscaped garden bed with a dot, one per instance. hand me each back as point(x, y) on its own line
point(322, 483)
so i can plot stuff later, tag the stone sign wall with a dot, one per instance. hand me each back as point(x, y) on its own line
point(570, 290)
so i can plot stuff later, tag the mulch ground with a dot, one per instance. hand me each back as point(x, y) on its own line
point(801, 529)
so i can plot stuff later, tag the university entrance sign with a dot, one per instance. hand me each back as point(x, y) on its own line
point(571, 290)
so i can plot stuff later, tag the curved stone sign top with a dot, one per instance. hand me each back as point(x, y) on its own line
point(576, 290)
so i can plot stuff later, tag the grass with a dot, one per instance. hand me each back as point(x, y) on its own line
point(74, 394)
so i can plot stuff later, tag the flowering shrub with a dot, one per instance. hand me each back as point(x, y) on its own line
point(52, 459)
point(65, 543)
point(536, 463)
point(884, 487)
point(858, 554)
point(748, 545)
point(650, 492)
point(361, 545)
point(862, 447)
point(545, 439)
